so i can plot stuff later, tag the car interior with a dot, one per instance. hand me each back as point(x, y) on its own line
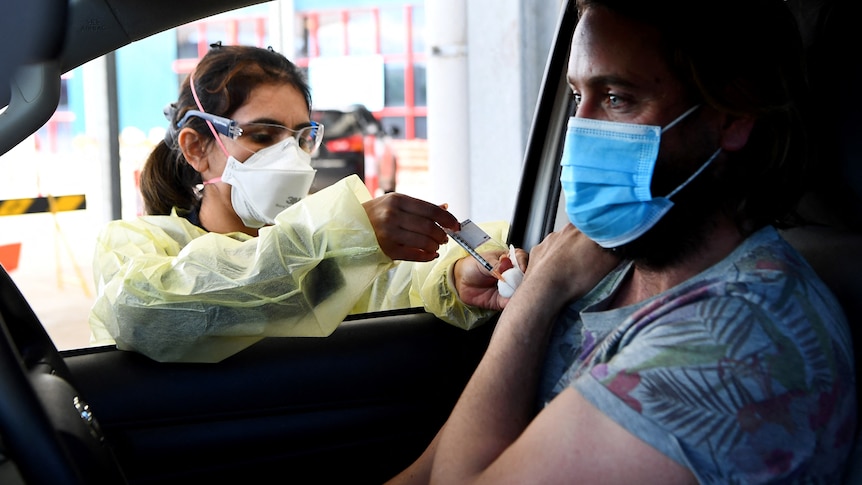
point(360, 405)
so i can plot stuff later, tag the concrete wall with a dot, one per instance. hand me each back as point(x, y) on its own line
point(507, 43)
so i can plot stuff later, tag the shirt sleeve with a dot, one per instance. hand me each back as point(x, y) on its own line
point(726, 387)
point(430, 284)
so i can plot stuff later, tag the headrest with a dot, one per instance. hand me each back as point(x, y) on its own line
point(829, 31)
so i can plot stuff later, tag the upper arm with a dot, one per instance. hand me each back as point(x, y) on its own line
point(571, 440)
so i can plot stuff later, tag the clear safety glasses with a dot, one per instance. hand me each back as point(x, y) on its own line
point(257, 136)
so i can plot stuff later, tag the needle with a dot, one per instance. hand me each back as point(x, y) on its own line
point(472, 252)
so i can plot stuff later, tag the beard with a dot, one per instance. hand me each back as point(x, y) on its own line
point(684, 229)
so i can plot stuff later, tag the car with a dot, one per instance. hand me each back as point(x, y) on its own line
point(356, 407)
point(354, 143)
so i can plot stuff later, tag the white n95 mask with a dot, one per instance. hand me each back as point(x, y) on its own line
point(270, 181)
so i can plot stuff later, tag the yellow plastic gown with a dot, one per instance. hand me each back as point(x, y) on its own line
point(176, 293)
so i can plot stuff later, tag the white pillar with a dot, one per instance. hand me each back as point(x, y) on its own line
point(281, 28)
point(97, 132)
point(509, 42)
point(448, 108)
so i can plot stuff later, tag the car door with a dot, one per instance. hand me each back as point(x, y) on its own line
point(355, 407)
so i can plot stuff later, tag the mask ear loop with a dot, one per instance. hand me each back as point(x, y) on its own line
point(199, 188)
point(695, 174)
point(200, 107)
point(703, 166)
point(669, 125)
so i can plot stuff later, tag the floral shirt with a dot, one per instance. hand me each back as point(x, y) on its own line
point(743, 374)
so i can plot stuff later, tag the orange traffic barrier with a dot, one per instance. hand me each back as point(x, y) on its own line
point(10, 254)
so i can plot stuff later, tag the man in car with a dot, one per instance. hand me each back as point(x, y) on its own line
point(669, 335)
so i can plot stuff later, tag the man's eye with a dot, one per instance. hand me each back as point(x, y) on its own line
point(614, 100)
point(576, 97)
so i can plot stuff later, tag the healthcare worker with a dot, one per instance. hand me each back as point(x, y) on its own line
point(233, 251)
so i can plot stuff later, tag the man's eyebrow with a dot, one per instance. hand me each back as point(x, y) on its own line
point(606, 80)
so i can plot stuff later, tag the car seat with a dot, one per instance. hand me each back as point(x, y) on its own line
point(831, 240)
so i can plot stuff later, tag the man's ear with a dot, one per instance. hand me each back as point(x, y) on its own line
point(194, 148)
point(735, 132)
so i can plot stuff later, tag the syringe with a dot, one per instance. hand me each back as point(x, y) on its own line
point(472, 252)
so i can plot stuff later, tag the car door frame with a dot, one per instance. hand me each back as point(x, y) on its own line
point(357, 406)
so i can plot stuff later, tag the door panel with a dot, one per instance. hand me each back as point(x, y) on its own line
point(355, 407)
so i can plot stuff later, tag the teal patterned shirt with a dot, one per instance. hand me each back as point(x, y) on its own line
point(743, 374)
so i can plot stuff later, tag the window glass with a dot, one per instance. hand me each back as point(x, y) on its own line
point(393, 78)
point(419, 92)
point(59, 173)
point(194, 39)
point(418, 24)
point(392, 30)
point(56, 248)
point(56, 135)
point(301, 36)
point(421, 127)
point(362, 33)
point(330, 34)
point(394, 125)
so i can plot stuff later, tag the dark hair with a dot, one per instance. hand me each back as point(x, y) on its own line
point(744, 58)
point(224, 79)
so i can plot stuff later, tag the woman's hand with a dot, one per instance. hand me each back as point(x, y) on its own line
point(405, 227)
point(476, 286)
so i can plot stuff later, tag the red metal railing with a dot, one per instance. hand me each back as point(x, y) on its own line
point(311, 19)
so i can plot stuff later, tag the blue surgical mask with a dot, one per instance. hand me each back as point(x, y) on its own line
point(607, 168)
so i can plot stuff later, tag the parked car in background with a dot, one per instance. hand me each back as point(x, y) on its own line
point(354, 142)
